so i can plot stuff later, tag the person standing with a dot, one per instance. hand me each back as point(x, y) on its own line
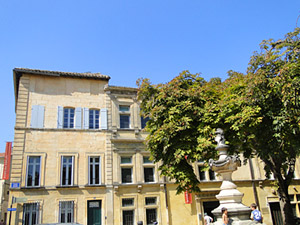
point(207, 219)
point(225, 217)
point(255, 214)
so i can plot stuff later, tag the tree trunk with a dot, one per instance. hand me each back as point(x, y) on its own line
point(287, 212)
point(283, 193)
point(284, 201)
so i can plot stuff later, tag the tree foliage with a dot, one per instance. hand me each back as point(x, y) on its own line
point(259, 112)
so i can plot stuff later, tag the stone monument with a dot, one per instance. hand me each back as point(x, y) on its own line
point(229, 197)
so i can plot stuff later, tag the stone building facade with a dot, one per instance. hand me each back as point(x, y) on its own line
point(78, 157)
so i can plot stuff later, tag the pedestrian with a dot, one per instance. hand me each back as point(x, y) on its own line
point(225, 217)
point(2, 222)
point(207, 219)
point(256, 214)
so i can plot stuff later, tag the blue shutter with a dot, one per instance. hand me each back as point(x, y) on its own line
point(37, 116)
point(78, 118)
point(60, 115)
point(85, 118)
point(103, 117)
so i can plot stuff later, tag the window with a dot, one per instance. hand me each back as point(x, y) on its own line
point(151, 216)
point(126, 169)
point(126, 175)
point(201, 173)
point(149, 174)
point(128, 217)
point(94, 170)
point(144, 121)
point(124, 116)
point(68, 118)
point(211, 174)
point(94, 119)
point(151, 210)
point(66, 212)
point(33, 171)
point(67, 170)
point(126, 160)
point(127, 202)
point(148, 170)
point(128, 211)
point(150, 200)
point(30, 213)
point(204, 174)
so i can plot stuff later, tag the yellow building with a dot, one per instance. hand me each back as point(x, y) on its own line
point(78, 156)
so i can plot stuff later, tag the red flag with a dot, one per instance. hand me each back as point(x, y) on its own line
point(7, 159)
point(188, 197)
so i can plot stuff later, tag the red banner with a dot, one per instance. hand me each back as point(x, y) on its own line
point(7, 159)
point(188, 197)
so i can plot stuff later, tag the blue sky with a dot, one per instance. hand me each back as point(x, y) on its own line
point(129, 39)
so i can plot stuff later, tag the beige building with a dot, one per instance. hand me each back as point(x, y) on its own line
point(4, 188)
point(78, 157)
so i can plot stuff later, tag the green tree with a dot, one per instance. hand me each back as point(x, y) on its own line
point(259, 112)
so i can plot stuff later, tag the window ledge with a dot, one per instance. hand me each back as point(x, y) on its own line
point(94, 185)
point(71, 186)
point(39, 187)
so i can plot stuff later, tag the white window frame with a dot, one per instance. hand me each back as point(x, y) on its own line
point(128, 207)
point(72, 171)
point(125, 113)
point(30, 211)
point(94, 119)
point(61, 210)
point(27, 168)
point(126, 166)
point(151, 165)
point(94, 165)
point(68, 118)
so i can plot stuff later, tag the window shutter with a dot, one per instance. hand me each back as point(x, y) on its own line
point(78, 118)
point(85, 118)
point(60, 115)
point(37, 116)
point(103, 117)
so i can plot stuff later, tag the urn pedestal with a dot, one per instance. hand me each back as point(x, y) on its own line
point(229, 197)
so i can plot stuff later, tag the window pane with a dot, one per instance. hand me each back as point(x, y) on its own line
point(124, 121)
point(149, 174)
point(126, 175)
point(67, 170)
point(150, 216)
point(66, 212)
point(33, 171)
point(94, 176)
point(125, 160)
point(127, 202)
point(151, 201)
point(93, 119)
point(144, 121)
point(30, 213)
point(147, 160)
point(128, 217)
point(201, 173)
point(212, 175)
point(68, 118)
point(298, 197)
point(124, 108)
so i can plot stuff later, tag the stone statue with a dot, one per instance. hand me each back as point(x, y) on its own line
point(220, 139)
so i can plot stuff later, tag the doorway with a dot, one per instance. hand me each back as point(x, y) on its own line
point(276, 213)
point(210, 206)
point(94, 212)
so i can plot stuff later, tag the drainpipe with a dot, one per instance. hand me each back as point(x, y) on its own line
point(253, 183)
point(166, 200)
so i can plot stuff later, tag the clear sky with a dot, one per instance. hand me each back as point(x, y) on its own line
point(129, 39)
